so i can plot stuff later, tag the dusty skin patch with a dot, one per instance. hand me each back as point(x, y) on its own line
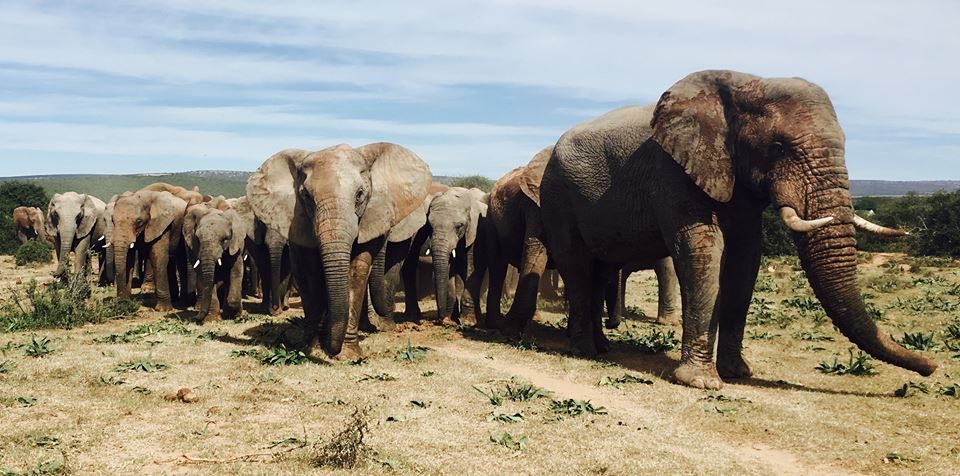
point(788, 419)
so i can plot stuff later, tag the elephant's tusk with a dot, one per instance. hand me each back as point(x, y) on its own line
point(102, 238)
point(245, 257)
point(799, 225)
point(428, 252)
point(196, 265)
point(866, 225)
point(219, 262)
point(453, 252)
point(108, 245)
point(131, 245)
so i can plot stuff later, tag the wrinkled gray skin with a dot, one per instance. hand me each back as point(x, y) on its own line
point(668, 292)
point(76, 223)
point(689, 179)
point(271, 255)
point(336, 207)
point(215, 241)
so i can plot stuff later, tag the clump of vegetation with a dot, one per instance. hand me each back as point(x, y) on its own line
point(860, 366)
point(952, 390)
point(493, 396)
point(138, 333)
point(910, 389)
point(918, 341)
point(380, 377)
point(523, 392)
point(574, 408)
point(61, 304)
point(411, 353)
point(347, 448)
point(146, 365)
point(33, 252)
point(7, 366)
point(516, 443)
point(38, 348)
point(12, 195)
point(282, 356)
point(506, 417)
point(619, 382)
point(473, 181)
point(651, 341)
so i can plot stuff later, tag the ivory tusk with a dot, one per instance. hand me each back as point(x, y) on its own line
point(799, 225)
point(131, 245)
point(866, 225)
point(453, 252)
point(196, 265)
point(245, 257)
point(428, 252)
point(219, 262)
point(108, 245)
point(102, 238)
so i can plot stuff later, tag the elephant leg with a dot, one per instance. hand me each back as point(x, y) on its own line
point(497, 274)
point(359, 273)
point(668, 292)
point(737, 280)
point(148, 282)
point(234, 294)
point(533, 264)
point(698, 255)
point(82, 257)
point(393, 263)
point(614, 302)
point(261, 256)
point(476, 267)
point(408, 272)
point(159, 261)
point(307, 270)
point(173, 281)
point(216, 310)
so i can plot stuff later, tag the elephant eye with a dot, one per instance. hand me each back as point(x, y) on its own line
point(359, 197)
point(777, 149)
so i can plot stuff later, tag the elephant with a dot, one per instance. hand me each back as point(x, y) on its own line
point(668, 292)
point(29, 224)
point(151, 223)
point(689, 178)
point(336, 207)
point(192, 197)
point(515, 237)
point(270, 258)
point(215, 237)
point(108, 266)
point(75, 222)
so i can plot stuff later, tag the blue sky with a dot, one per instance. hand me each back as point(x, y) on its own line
point(473, 87)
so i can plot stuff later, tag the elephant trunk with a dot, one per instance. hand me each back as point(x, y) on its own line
point(277, 290)
point(123, 266)
point(382, 302)
point(829, 257)
point(208, 269)
point(440, 249)
point(67, 235)
point(110, 270)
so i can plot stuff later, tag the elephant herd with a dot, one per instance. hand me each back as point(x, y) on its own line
point(678, 186)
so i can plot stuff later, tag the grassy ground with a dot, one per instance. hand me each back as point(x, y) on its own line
point(105, 399)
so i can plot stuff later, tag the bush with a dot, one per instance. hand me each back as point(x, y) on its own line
point(473, 181)
point(61, 304)
point(13, 195)
point(34, 252)
point(776, 239)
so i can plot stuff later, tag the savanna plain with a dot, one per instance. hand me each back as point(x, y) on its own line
point(155, 393)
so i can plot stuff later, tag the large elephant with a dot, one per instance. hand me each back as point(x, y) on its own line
point(336, 207)
point(191, 196)
point(515, 237)
point(689, 179)
point(151, 223)
point(270, 255)
point(28, 224)
point(668, 292)
point(215, 236)
point(75, 222)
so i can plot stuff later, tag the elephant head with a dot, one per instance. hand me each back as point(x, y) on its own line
point(779, 141)
point(331, 199)
point(212, 235)
point(142, 217)
point(72, 216)
point(454, 218)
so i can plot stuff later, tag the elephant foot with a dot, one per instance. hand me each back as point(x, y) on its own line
point(585, 346)
point(603, 345)
point(698, 376)
point(211, 318)
point(274, 311)
point(412, 315)
point(163, 307)
point(733, 367)
point(469, 320)
point(349, 352)
point(613, 322)
point(314, 350)
point(668, 319)
point(383, 324)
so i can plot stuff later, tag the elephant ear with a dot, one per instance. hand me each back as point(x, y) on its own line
point(243, 209)
point(238, 230)
point(90, 215)
point(400, 180)
point(478, 209)
point(164, 210)
point(48, 218)
point(690, 123)
point(413, 222)
point(533, 173)
point(191, 219)
point(36, 219)
point(271, 190)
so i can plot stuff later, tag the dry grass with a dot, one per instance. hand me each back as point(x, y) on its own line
point(283, 419)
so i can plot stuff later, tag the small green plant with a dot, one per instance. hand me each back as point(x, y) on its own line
point(419, 404)
point(7, 366)
point(111, 380)
point(952, 390)
point(283, 356)
point(619, 382)
point(812, 336)
point(652, 341)
point(952, 332)
point(380, 377)
point(347, 448)
point(245, 353)
point(755, 335)
point(874, 312)
point(493, 396)
point(515, 443)
point(38, 348)
point(897, 458)
point(34, 252)
point(574, 408)
point(146, 365)
point(523, 392)
point(910, 389)
point(860, 366)
point(411, 353)
point(918, 341)
point(506, 417)
point(633, 312)
point(26, 401)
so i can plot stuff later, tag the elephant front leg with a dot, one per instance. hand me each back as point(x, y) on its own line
point(234, 294)
point(613, 296)
point(737, 279)
point(159, 262)
point(668, 292)
point(81, 252)
point(476, 267)
point(532, 266)
point(698, 256)
point(307, 270)
point(359, 273)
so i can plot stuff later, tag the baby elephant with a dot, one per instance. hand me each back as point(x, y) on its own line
point(215, 235)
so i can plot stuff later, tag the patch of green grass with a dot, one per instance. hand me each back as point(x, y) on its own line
point(812, 336)
point(952, 390)
point(952, 331)
point(493, 396)
point(918, 341)
point(506, 417)
point(523, 392)
point(515, 443)
point(874, 312)
point(146, 365)
point(26, 401)
point(411, 353)
point(62, 304)
point(138, 333)
point(575, 408)
point(860, 366)
point(38, 348)
point(282, 356)
point(380, 377)
point(651, 341)
point(619, 382)
point(755, 335)
point(7, 366)
point(897, 458)
point(245, 353)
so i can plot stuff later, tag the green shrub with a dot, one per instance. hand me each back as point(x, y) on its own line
point(34, 252)
point(13, 195)
point(473, 181)
point(61, 304)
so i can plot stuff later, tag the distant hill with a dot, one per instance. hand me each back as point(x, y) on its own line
point(231, 183)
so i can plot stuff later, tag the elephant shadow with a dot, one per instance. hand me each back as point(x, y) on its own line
point(287, 332)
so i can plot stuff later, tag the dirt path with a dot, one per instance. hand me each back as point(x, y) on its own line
point(776, 461)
